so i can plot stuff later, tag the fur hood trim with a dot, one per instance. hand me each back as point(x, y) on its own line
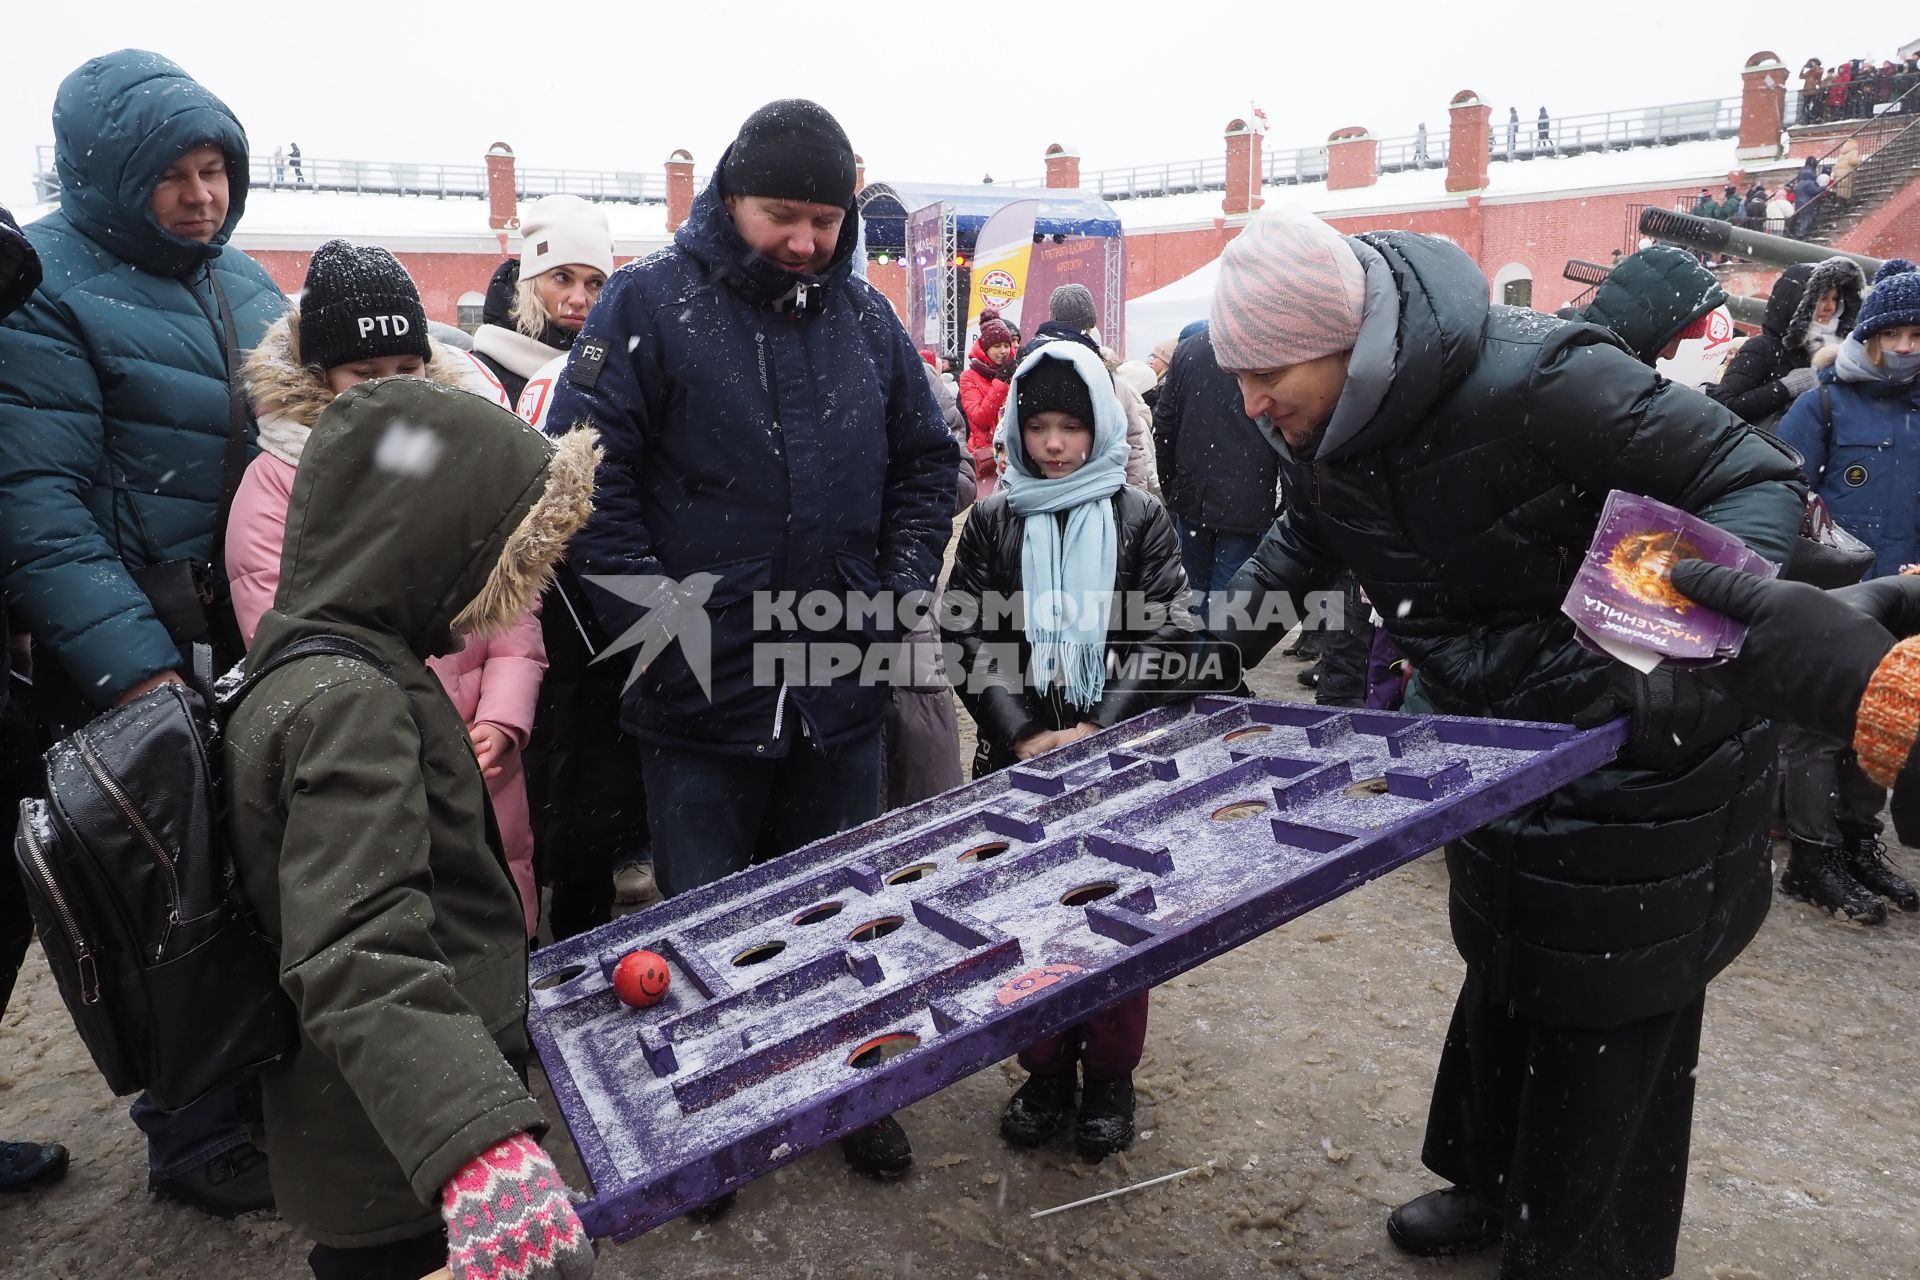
point(527, 561)
point(1836, 274)
point(288, 396)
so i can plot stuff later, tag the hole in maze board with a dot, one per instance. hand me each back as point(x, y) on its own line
point(1087, 893)
point(874, 930)
point(982, 852)
point(1250, 731)
point(1239, 810)
point(907, 875)
point(559, 977)
point(759, 954)
point(881, 1048)
point(822, 911)
point(1367, 788)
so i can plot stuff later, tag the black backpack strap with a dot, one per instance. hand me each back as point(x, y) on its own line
point(1826, 424)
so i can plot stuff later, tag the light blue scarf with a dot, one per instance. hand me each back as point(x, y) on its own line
point(1853, 365)
point(1066, 578)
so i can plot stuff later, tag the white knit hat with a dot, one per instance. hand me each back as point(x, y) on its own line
point(562, 229)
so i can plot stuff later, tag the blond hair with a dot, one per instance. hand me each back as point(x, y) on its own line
point(529, 313)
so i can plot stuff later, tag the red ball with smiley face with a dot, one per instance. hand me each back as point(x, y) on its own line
point(641, 979)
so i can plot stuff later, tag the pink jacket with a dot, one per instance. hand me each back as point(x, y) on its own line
point(491, 681)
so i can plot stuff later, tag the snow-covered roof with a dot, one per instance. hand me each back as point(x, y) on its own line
point(1639, 169)
point(417, 224)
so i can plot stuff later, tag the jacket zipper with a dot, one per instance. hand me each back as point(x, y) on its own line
point(106, 783)
point(82, 952)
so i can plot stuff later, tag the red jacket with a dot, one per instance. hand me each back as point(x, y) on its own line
point(982, 397)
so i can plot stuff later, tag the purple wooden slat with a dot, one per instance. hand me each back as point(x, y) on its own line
point(1187, 832)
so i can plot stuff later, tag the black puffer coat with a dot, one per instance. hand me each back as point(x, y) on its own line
point(1463, 504)
point(1215, 468)
point(1751, 386)
point(987, 563)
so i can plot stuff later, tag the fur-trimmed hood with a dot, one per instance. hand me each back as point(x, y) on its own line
point(288, 396)
point(421, 513)
point(1837, 274)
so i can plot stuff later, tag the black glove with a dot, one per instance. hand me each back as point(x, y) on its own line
point(1003, 372)
point(1672, 717)
point(1808, 655)
point(1893, 602)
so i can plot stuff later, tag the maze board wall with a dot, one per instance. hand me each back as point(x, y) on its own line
point(818, 992)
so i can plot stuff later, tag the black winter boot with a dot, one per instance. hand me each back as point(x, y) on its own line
point(1867, 861)
point(1445, 1222)
point(1036, 1109)
point(879, 1151)
point(1106, 1118)
point(26, 1165)
point(1817, 873)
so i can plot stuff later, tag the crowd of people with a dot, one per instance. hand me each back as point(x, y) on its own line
point(1856, 88)
point(741, 414)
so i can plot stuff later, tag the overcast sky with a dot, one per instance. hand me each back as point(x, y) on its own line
point(927, 91)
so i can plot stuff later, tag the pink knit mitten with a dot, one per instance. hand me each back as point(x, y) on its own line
point(508, 1218)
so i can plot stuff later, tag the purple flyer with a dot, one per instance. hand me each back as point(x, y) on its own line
point(1622, 600)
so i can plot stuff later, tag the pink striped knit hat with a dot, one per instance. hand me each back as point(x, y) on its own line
point(1290, 290)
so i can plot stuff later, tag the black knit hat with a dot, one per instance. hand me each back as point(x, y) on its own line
point(1053, 385)
point(790, 150)
point(359, 304)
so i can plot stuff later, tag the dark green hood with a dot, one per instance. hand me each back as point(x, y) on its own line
point(420, 511)
point(119, 123)
point(1651, 296)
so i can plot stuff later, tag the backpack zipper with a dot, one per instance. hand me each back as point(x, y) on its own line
point(82, 953)
point(107, 784)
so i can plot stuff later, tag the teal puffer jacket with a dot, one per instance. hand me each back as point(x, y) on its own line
point(113, 376)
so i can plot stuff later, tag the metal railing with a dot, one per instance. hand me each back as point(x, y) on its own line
point(395, 177)
point(1516, 140)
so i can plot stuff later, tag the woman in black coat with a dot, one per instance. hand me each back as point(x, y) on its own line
point(1811, 307)
point(1064, 523)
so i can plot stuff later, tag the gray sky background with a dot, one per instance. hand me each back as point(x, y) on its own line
point(926, 92)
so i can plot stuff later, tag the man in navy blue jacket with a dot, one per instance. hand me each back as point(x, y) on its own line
point(769, 434)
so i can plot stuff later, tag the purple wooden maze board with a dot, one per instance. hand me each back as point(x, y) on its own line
point(818, 992)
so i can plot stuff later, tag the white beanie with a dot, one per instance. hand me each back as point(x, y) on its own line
point(562, 229)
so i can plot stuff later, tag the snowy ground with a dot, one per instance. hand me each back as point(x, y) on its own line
point(1297, 1067)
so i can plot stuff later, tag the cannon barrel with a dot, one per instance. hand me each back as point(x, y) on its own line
point(1707, 235)
point(1751, 312)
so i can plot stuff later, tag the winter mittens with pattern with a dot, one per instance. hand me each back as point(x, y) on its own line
point(509, 1217)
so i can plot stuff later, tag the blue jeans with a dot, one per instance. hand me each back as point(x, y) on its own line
point(181, 1141)
point(712, 814)
point(1212, 557)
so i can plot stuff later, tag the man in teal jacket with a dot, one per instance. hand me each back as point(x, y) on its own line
point(114, 422)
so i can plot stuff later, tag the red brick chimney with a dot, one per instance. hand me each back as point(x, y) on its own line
point(1244, 173)
point(503, 202)
point(1763, 106)
point(679, 188)
point(859, 173)
point(1353, 159)
point(1469, 143)
point(1063, 167)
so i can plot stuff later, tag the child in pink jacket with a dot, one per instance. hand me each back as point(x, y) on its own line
point(360, 318)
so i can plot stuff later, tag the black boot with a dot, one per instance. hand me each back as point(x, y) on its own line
point(1440, 1223)
point(1817, 873)
point(26, 1165)
point(1036, 1109)
point(1106, 1118)
point(1866, 860)
point(712, 1211)
point(232, 1183)
point(880, 1151)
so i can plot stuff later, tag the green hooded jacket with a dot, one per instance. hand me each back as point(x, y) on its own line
point(358, 816)
point(1651, 296)
point(113, 377)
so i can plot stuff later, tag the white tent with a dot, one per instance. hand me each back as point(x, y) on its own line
point(1154, 317)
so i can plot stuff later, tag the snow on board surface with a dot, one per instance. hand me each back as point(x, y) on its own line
point(820, 991)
